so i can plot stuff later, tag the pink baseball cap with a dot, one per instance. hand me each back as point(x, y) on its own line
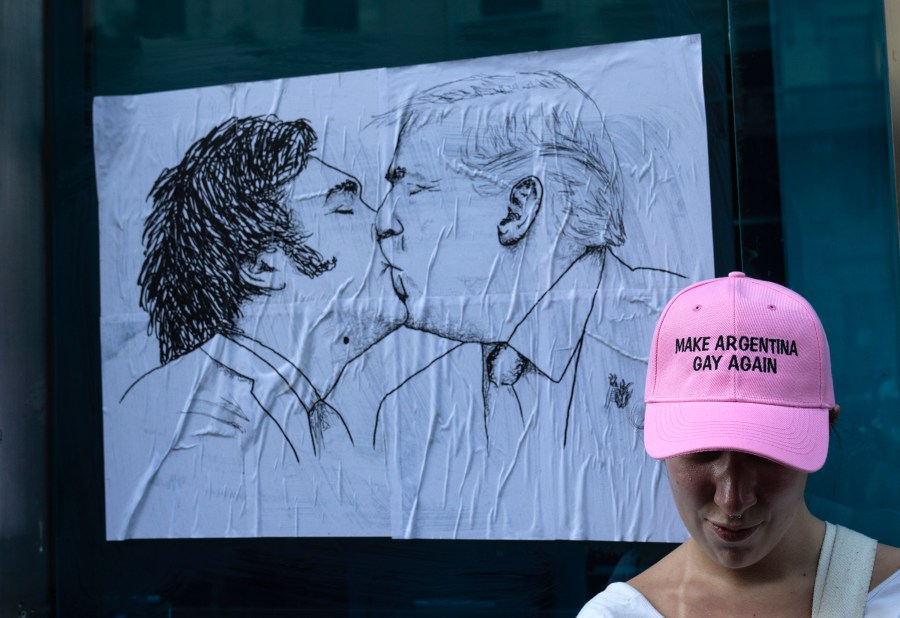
point(739, 364)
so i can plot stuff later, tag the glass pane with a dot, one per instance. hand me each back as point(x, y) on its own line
point(796, 115)
point(840, 230)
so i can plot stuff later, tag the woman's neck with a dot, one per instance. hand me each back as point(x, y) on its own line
point(796, 553)
point(689, 582)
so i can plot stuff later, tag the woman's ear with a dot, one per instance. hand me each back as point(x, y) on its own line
point(524, 203)
point(833, 415)
point(266, 272)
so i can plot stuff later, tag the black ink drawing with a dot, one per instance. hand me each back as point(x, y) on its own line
point(533, 149)
point(229, 255)
point(500, 227)
point(277, 297)
point(619, 391)
point(219, 217)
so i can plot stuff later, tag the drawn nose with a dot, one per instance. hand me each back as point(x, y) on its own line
point(387, 223)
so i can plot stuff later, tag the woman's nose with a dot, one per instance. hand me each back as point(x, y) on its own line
point(735, 484)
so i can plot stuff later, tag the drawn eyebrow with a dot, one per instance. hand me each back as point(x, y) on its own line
point(419, 187)
point(348, 186)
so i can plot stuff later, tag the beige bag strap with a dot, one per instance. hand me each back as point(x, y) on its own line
point(843, 574)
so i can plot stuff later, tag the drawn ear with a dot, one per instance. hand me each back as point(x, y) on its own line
point(524, 204)
point(265, 272)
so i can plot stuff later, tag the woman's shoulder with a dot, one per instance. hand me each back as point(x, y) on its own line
point(619, 600)
point(883, 600)
point(662, 576)
point(887, 563)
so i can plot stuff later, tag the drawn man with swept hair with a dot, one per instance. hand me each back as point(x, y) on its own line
point(259, 282)
point(505, 208)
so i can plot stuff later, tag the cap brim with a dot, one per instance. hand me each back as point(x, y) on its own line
point(795, 437)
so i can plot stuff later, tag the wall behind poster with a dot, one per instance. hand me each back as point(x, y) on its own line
point(24, 524)
point(831, 90)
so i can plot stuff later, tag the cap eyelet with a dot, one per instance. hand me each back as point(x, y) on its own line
point(697, 307)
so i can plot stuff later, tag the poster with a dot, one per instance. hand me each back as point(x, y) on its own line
point(410, 302)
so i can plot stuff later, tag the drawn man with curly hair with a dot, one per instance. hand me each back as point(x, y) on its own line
point(261, 281)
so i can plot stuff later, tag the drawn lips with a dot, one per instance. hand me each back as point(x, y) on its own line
point(399, 288)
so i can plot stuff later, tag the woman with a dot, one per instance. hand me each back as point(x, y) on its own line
point(739, 403)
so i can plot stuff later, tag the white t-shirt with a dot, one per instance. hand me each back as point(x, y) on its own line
point(620, 600)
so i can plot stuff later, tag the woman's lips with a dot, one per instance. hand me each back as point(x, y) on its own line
point(733, 535)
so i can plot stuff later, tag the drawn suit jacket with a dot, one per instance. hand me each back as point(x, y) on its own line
point(475, 459)
point(214, 444)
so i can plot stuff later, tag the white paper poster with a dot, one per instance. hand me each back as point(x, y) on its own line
point(410, 302)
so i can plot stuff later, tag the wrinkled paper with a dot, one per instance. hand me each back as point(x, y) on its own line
point(410, 302)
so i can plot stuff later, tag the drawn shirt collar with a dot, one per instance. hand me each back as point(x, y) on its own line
point(549, 335)
point(273, 375)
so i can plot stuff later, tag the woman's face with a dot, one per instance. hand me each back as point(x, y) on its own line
point(712, 488)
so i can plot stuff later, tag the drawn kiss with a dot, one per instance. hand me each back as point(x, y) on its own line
point(399, 287)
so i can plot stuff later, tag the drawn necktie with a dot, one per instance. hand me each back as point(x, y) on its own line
point(503, 416)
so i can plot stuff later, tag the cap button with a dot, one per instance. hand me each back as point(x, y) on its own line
point(737, 275)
